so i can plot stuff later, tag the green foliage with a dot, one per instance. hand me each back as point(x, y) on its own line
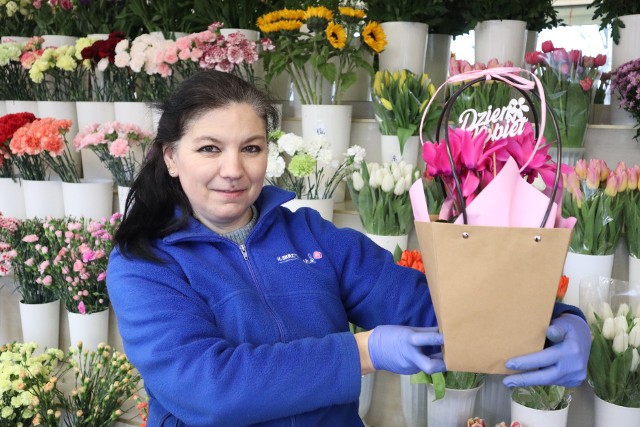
point(449, 380)
point(426, 11)
point(538, 14)
point(609, 11)
point(146, 16)
point(544, 398)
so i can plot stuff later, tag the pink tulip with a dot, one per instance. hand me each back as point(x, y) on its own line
point(600, 60)
point(588, 61)
point(632, 177)
point(593, 178)
point(534, 58)
point(613, 185)
point(493, 63)
point(586, 84)
point(547, 46)
point(575, 57)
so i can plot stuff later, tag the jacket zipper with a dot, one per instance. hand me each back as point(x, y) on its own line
point(245, 255)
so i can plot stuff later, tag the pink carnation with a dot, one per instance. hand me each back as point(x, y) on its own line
point(119, 148)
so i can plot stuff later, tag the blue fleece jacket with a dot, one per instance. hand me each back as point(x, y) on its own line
point(229, 335)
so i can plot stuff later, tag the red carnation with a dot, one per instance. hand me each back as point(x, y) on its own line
point(10, 123)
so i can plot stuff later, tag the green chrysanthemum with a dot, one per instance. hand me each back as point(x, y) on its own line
point(302, 165)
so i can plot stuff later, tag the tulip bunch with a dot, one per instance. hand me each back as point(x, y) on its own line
point(307, 167)
point(481, 95)
point(613, 363)
point(568, 79)
point(381, 196)
point(479, 422)
point(594, 195)
point(399, 99)
point(632, 211)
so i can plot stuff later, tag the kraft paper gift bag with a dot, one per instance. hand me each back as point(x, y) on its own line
point(493, 279)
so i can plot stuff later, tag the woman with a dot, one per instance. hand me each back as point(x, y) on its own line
point(236, 310)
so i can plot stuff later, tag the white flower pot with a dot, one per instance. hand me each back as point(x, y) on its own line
point(3, 108)
point(634, 269)
point(123, 192)
point(89, 198)
point(366, 394)
point(248, 34)
point(414, 399)
point(323, 206)
point(91, 329)
point(138, 113)
point(627, 49)
point(453, 410)
point(494, 400)
point(532, 41)
point(43, 199)
point(578, 267)
point(51, 40)
point(390, 149)
point(610, 415)
point(504, 40)
point(14, 107)
point(41, 324)
point(12, 200)
point(13, 39)
point(333, 122)
point(390, 242)
point(90, 112)
point(437, 59)
point(98, 36)
point(281, 88)
point(406, 46)
point(529, 417)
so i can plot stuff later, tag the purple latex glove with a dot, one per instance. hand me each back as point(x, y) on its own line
point(564, 363)
point(398, 349)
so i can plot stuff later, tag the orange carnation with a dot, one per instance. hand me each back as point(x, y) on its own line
point(412, 259)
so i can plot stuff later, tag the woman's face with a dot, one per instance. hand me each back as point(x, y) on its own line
point(221, 162)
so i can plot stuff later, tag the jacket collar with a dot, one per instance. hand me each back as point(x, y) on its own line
point(270, 198)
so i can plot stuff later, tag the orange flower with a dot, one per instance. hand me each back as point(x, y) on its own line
point(412, 259)
point(562, 288)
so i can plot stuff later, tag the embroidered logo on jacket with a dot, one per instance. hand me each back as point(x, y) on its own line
point(287, 257)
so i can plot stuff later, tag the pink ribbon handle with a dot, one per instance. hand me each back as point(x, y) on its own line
point(510, 76)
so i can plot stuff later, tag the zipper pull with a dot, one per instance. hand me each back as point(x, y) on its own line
point(245, 255)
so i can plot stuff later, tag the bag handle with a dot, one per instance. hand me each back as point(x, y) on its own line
point(505, 75)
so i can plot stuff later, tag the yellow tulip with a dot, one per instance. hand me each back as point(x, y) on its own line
point(386, 104)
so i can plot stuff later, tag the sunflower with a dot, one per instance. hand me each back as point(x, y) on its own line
point(352, 12)
point(374, 36)
point(281, 20)
point(317, 18)
point(337, 35)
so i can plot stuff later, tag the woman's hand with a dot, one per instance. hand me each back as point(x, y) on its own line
point(564, 363)
point(398, 349)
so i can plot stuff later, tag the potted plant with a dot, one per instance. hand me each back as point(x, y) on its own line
point(613, 13)
point(166, 17)
point(308, 168)
point(541, 405)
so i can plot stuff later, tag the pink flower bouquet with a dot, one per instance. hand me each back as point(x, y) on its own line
point(121, 147)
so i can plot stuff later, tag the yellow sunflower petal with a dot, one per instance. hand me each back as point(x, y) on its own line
point(337, 35)
point(374, 36)
point(352, 12)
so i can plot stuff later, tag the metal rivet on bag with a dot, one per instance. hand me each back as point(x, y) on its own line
point(537, 238)
point(465, 235)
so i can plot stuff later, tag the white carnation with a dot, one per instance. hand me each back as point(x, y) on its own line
point(323, 157)
point(357, 153)
point(290, 143)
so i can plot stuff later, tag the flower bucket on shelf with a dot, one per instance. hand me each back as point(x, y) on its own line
point(323, 206)
point(91, 329)
point(476, 261)
point(43, 199)
point(12, 201)
point(41, 324)
point(453, 409)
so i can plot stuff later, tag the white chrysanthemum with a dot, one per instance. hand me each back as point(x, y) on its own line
point(323, 157)
point(290, 143)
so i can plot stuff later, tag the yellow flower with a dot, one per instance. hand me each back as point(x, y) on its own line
point(352, 12)
point(66, 63)
point(337, 35)
point(281, 20)
point(374, 36)
point(386, 104)
point(317, 18)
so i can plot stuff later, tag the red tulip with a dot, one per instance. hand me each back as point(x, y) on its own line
point(586, 83)
point(547, 46)
point(534, 58)
point(600, 60)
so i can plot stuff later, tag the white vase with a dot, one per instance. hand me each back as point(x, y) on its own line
point(12, 200)
point(414, 400)
point(323, 206)
point(92, 329)
point(41, 324)
point(51, 40)
point(63, 110)
point(98, 36)
point(437, 59)
point(333, 122)
point(91, 198)
point(13, 39)
point(634, 269)
point(627, 49)
point(123, 192)
point(14, 107)
point(138, 113)
point(532, 41)
point(360, 91)
point(610, 415)
point(281, 88)
point(580, 266)
point(390, 149)
point(529, 417)
point(406, 46)
point(366, 394)
point(90, 112)
point(3, 108)
point(453, 410)
point(43, 199)
point(390, 242)
point(501, 39)
point(494, 400)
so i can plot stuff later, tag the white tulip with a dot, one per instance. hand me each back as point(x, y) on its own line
point(606, 311)
point(608, 328)
point(372, 179)
point(621, 324)
point(635, 360)
point(396, 173)
point(358, 182)
point(408, 183)
point(634, 336)
point(380, 174)
point(399, 189)
point(620, 342)
point(387, 183)
point(623, 309)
